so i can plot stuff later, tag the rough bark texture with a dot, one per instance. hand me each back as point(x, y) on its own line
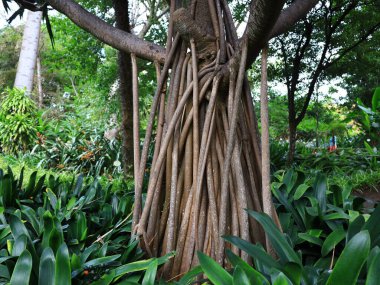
point(108, 34)
point(125, 88)
point(265, 157)
point(39, 84)
point(29, 52)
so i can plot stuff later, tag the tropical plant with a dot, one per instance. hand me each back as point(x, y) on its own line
point(17, 121)
point(55, 232)
point(369, 118)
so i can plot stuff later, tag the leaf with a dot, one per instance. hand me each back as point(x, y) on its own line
point(376, 99)
point(320, 187)
point(150, 274)
point(350, 262)
point(280, 279)
point(20, 245)
point(354, 227)
point(254, 251)
point(240, 277)
point(372, 226)
point(17, 227)
point(311, 239)
point(373, 275)
point(62, 266)
point(22, 270)
point(189, 277)
point(101, 260)
point(332, 240)
point(217, 274)
point(140, 265)
point(254, 276)
point(277, 239)
point(300, 191)
point(32, 181)
point(47, 267)
point(294, 272)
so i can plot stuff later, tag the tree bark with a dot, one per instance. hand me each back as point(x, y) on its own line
point(29, 52)
point(125, 88)
point(39, 84)
point(265, 151)
point(292, 140)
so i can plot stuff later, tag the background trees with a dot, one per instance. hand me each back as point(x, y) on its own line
point(317, 43)
point(206, 161)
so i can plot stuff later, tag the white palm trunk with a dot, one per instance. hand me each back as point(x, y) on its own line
point(29, 52)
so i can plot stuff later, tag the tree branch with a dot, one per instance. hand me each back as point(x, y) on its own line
point(363, 38)
point(262, 16)
point(108, 34)
point(150, 22)
point(292, 15)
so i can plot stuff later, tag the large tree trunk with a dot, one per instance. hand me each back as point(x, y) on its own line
point(292, 141)
point(125, 89)
point(206, 165)
point(29, 52)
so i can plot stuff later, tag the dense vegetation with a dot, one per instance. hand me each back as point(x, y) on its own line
point(67, 195)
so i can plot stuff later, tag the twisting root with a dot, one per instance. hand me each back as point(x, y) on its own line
point(206, 166)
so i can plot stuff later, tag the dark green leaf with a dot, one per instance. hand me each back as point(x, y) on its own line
point(350, 262)
point(217, 274)
point(47, 267)
point(22, 270)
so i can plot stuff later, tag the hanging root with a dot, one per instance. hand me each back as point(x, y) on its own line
point(206, 165)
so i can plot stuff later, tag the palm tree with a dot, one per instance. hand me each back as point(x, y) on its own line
point(29, 52)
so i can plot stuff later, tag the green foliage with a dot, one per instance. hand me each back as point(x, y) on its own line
point(73, 145)
point(369, 118)
point(326, 239)
point(68, 232)
point(10, 39)
point(17, 121)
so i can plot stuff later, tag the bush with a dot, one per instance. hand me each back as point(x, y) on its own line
point(17, 121)
point(68, 232)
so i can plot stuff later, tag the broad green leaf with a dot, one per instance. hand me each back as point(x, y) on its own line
point(17, 227)
point(30, 187)
point(309, 238)
point(294, 272)
point(140, 265)
point(350, 262)
point(354, 227)
point(280, 279)
point(239, 277)
point(217, 274)
point(19, 245)
point(105, 279)
point(373, 275)
point(376, 99)
point(372, 226)
point(189, 277)
point(150, 274)
point(277, 239)
point(101, 260)
point(47, 267)
point(332, 240)
point(62, 266)
point(300, 191)
point(254, 251)
point(254, 276)
point(320, 187)
point(22, 270)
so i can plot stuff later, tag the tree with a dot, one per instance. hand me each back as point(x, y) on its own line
point(29, 52)
point(10, 39)
point(206, 166)
point(331, 31)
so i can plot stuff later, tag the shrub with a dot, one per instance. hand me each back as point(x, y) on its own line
point(17, 121)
